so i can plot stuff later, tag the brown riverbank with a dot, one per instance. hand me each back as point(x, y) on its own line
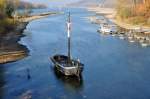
point(110, 13)
point(10, 49)
point(133, 33)
point(35, 17)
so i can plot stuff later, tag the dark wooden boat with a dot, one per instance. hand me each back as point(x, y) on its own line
point(66, 68)
point(73, 82)
point(65, 64)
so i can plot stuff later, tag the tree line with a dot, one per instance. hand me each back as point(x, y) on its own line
point(10, 12)
point(136, 11)
point(8, 7)
point(7, 10)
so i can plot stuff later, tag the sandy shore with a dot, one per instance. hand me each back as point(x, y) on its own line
point(110, 13)
point(132, 33)
point(35, 17)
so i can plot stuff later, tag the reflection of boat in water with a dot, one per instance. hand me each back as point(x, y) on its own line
point(72, 82)
point(144, 44)
point(65, 64)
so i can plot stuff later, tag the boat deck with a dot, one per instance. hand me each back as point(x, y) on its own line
point(63, 60)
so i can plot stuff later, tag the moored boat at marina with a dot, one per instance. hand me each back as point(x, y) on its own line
point(121, 36)
point(108, 29)
point(131, 39)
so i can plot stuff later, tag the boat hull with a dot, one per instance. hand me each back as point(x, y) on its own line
point(67, 69)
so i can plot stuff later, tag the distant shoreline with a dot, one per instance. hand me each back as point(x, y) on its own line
point(35, 17)
point(132, 33)
point(110, 13)
point(10, 49)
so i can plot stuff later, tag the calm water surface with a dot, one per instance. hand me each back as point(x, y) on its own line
point(114, 68)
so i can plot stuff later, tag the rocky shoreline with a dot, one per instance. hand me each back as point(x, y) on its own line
point(133, 33)
point(110, 14)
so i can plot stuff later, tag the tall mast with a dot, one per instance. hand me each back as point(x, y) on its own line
point(69, 38)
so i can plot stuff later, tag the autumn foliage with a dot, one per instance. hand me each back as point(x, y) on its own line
point(143, 9)
point(134, 11)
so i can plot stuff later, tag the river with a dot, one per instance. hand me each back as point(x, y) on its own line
point(114, 68)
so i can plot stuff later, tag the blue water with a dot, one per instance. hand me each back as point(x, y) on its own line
point(114, 68)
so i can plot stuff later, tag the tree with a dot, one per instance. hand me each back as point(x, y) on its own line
point(9, 10)
point(11, 7)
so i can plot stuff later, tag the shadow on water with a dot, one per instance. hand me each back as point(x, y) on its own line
point(72, 82)
point(2, 82)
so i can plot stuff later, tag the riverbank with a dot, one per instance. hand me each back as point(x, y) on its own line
point(133, 33)
point(110, 13)
point(10, 49)
point(35, 17)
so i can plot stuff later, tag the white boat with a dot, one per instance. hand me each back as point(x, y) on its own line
point(121, 37)
point(130, 37)
point(131, 41)
point(106, 28)
point(113, 34)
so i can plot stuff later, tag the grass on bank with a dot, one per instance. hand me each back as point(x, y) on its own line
point(136, 20)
